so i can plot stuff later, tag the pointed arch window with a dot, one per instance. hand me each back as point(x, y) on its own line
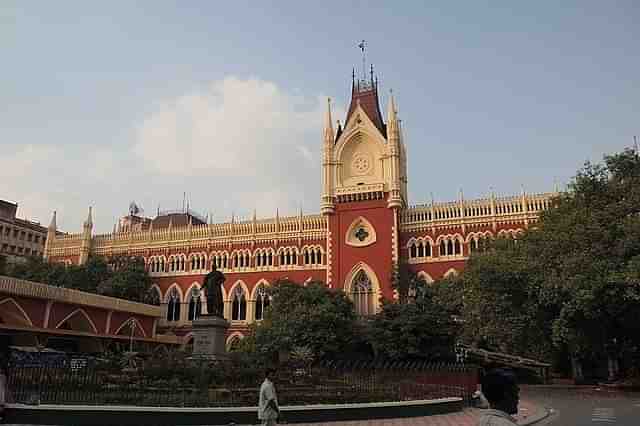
point(473, 245)
point(195, 304)
point(362, 294)
point(239, 305)
point(173, 306)
point(456, 247)
point(262, 302)
point(413, 251)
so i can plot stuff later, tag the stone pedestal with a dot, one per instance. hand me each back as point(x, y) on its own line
point(209, 338)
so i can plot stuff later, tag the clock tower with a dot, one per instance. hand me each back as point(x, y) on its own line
point(364, 188)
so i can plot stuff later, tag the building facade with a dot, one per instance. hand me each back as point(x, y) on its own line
point(364, 229)
point(19, 238)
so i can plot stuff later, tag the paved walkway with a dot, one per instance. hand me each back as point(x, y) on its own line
point(468, 417)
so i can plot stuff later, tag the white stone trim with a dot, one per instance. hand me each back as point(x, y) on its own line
point(82, 312)
point(351, 240)
point(17, 305)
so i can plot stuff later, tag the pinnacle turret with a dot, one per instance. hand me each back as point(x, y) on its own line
point(89, 222)
point(329, 136)
point(53, 225)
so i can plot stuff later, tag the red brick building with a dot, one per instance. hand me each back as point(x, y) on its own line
point(364, 229)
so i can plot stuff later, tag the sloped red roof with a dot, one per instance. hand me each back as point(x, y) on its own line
point(177, 220)
point(367, 94)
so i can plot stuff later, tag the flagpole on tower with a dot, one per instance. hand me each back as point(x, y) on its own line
point(362, 45)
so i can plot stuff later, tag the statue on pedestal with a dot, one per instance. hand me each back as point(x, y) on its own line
point(213, 286)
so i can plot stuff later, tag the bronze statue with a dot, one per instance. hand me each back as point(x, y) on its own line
point(213, 287)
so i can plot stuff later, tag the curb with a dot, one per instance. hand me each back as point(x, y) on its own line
point(85, 415)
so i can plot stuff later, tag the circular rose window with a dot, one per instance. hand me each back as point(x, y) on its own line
point(361, 164)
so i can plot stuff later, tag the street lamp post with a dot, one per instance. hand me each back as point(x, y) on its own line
point(132, 326)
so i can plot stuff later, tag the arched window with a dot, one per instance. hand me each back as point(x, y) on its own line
point(173, 305)
point(195, 304)
point(262, 302)
point(234, 344)
point(362, 294)
point(443, 248)
point(413, 253)
point(307, 259)
point(420, 249)
point(427, 248)
point(449, 247)
point(239, 305)
point(456, 246)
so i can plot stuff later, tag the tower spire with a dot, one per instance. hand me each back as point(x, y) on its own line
point(89, 222)
point(328, 124)
point(53, 225)
point(392, 111)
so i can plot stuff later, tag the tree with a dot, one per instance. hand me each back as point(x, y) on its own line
point(501, 310)
point(310, 316)
point(129, 280)
point(574, 277)
point(123, 277)
point(421, 326)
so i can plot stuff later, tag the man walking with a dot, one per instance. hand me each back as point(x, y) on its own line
point(501, 390)
point(268, 410)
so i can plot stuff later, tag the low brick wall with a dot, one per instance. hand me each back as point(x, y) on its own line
point(82, 415)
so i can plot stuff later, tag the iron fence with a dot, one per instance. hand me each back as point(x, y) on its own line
point(324, 383)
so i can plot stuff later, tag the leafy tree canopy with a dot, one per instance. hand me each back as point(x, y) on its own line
point(310, 316)
point(421, 324)
point(122, 277)
point(573, 278)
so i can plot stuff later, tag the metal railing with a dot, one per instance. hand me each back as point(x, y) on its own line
point(324, 383)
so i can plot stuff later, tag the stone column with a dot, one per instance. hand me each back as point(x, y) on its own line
point(228, 304)
point(251, 311)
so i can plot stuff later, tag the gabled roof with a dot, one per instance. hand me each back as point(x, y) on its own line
point(366, 93)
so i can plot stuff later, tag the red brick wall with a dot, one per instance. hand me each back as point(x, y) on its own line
point(377, 255)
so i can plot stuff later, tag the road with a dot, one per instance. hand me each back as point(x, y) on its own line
point(588, 406)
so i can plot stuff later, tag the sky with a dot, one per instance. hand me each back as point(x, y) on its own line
point(103, 103)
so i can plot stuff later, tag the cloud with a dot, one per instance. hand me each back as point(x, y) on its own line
point(234, 127)
point(235, 146)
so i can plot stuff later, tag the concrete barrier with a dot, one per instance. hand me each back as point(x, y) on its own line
point(85, 415)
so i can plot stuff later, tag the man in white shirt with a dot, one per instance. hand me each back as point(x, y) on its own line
point(501, 390)
point(268, 410)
